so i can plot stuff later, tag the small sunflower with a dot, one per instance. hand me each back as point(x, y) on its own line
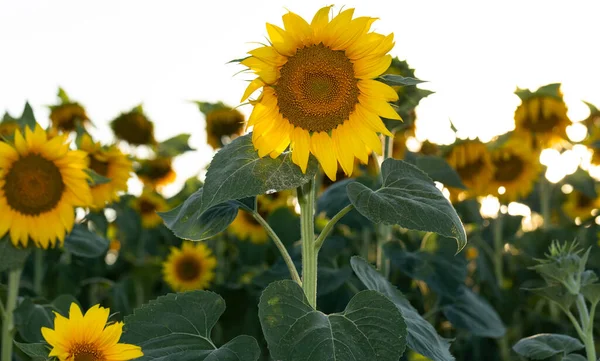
point(108, 162)
point(41, 182)
point(8, 127)
point(190, 268)
point(65, 117)
point(156, 172)
point(88, 337)
point(134, 127)
point(319, 95)
point(578, 205)
point(542, 115)
point(473, 162)
point(147, 205)
point(221, 122)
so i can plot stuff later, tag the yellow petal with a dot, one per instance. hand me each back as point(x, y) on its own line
point(269, 55)
point(301, 147)
point(377, 89)
point(297, 28)
point(321, 146)
point(379, 107)
point(372, 67)
point(370, 119)
point(20, 143)
point(319, 22)
point(344, 154)
point(281, 41)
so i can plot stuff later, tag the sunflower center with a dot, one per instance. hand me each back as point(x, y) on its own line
point(157, 169)
point(317, 89)
point(33, 185)
point(86, 352)
point(147, 207)
point(98, 166)
point(508, 169)
point(545, 117)
point(188, 269)
point(471, 170)
point(225, 122)
point(583, 201)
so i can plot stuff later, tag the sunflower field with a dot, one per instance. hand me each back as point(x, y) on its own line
point(321, 230)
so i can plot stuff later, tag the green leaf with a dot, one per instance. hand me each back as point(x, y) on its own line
point(409, 199)
point(545, 345)
point(177, 327)
point(37, 351)
point(237, 172)
point(85, 243)
point(583, 183)
point(30, 318)
point(11, 257)
point(335, 198)
point(192, 221)
point(573, 357)
point(473, 313)
point(371, 327)
point(27, 119)
point(395, 80)
point(95, 178)
point(422, 336)
point(439, 170)
point(591, 293)
point(556, 294)
point(175, 146)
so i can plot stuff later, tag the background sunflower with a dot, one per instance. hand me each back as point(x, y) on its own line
point(190, 267)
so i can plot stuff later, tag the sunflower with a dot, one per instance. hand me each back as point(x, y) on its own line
point(542, 115)
point(65, 117)
point(578, 205)
point(134, 127)
point(147, 205)
point(473, 162)
point(245, 227)
point(156, 172)
point(189, 268)
point(8, 127)
point(88, 337)
point(221, 122)
point(41, 181)
point(318, 93)
point(516, 169)
point(108, 162)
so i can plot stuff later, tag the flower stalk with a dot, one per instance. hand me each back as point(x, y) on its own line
point(8, 326)
point(310, 253)
point(384, 231)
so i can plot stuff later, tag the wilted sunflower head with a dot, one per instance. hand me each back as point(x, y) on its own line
point(147, 205)
point(579, 205)
point(319, 95)
point(191, 267)
point(65, 117)
point(156, 172)
point(134, 127)
point(223, 123)
point(473, 162)
point(8, 127)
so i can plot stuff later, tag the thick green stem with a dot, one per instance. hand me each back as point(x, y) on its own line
point(38, 270)
point(14, 277)
point(329, 227)
point(384, 231)
point(366, 243)
point(545, 193)
point(280, 246)
point(498, 250)
point(587, 328)
point(306, 199)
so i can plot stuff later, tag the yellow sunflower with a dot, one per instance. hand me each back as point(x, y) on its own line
point(190, 268)
point(318, 93)
point(542, 115)
point(516, 169)
point(88, 337)
point(473, 162)
point(147, 205)
point(8, 127)
point(134, 127)
point(578, 205)
point(108, 162)
point(65, 117)
point(223, 122)
point(245, 227)
point(41, 181)
point(156, 172)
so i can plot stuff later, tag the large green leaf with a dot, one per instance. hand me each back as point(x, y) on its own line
point(31, 317)
point(85, 243)
point(371, 327)
point(422, 336)
point(37, 351)
point(177, 327)
point(10, 256)
point(545, 345)
point(408, 198)
point(238, 172)
point(194, 222)
point(439, 170)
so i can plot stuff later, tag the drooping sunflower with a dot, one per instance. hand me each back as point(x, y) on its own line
point(542, 115)
point(221, 122)
point(108, 162)
point(579, 205)
point(189, 268)
point(473, 162)
point(88, 337)
point(319, 95)
point(41, 182)
point(8, 127)
point(147, 205)
point(134, 127)
point(65, 117)
point(156, 172)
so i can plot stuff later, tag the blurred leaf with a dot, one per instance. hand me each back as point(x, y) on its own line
point(395, 80)
point(29, 320)
point(238, 172)
point(439, 170)
point(335, 198)
point(556, 294)
point(95, 178)
point(410, 199)
point(591, 293)
point(10, 256)
point(468, 211)
point(27, 119)
point(175, 146)
point(422, 336)
point(37, 351)
point(206, 107)
point(177, 327)
point(62, 95)
point(583, 183)
point(286, 225)
point(84, 243)
point(573, 357)
point(542, 346)
point(371, 327)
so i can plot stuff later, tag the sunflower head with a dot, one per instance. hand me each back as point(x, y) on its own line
point(319, 95)
point(191, 267)
point(579, 205)
point(41, 182)
point(67, 116)
point(88, 337)
point(108, 162)
point(473, 162)
point(222, 123)
point(134, 127)
point(542, 115)
point(147, 206)
point(8, 127)
point(156, 172)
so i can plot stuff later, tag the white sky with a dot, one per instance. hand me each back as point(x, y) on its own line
point(112, 55)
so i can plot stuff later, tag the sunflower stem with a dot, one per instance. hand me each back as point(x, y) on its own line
point(498, 249)
point(545, 192)
point(14, 277)
point(587, 328)
point(310, 253)
point(280, 246)
point(329, 227)
point(384, 231)
point(38, 270)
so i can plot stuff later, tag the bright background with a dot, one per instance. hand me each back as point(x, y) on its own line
point(112, 55)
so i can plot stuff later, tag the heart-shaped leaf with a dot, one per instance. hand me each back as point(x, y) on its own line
point(85, 243)
point(371, 327)
point(177, 327)
point(10, 256)
point(545, 345)
point(410, 199)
